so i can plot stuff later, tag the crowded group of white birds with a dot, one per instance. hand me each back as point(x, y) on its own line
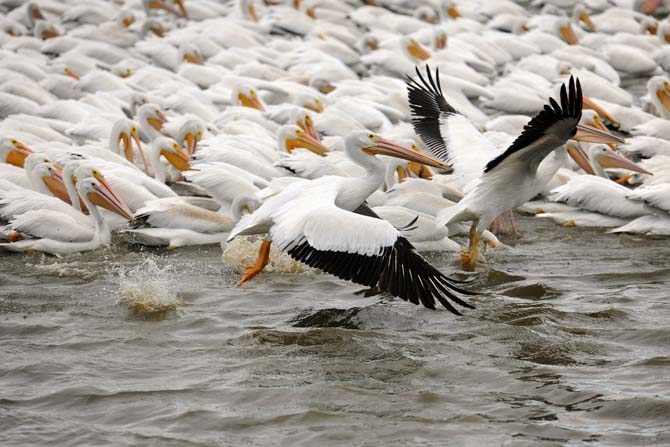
point(346, 132)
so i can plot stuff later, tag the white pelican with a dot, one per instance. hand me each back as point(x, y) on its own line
point(313, 222)
point(509, 178)
point(71, 238)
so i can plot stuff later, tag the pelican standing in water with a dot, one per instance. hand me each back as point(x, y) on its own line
point(325, 224)
point(511, 178)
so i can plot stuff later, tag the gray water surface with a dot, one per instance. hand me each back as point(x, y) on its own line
point(569, 345)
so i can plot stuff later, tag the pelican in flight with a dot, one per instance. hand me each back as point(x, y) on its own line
point(510, 178)
point(325, 224)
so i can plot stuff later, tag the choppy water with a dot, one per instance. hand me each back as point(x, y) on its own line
point(569, 345)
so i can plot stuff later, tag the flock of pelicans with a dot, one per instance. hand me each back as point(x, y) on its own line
point(186, 122)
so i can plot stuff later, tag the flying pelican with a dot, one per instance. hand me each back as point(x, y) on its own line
point(323, 224)
point(509, 178)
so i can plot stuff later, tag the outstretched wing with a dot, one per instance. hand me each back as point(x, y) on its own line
point(428, 106)
point(450, 136)
point(364, 249)
point(544, 132)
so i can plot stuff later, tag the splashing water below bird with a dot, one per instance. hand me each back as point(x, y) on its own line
point(148, 290)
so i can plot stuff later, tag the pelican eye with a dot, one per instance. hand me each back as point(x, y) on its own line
point(252, 93)
point(198, 135)
point(371, 136)
point(15, 143)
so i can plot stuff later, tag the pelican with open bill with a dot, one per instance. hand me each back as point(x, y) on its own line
point(325, 224)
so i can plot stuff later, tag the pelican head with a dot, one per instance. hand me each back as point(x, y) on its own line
point(414, 49)
point(659, 92)
point(152, 25)
point(190, 53)
point(323, 85)
point(99, 193)
point(125, 18)
point(13, 152)
point(427, 14)
point(34, 13)
point(607, 158)
point(52, 178)
point(190, 133)
point(449, 8)
point(372, 144)
point(292, 137)
point(303, 119)
point(152, 115)
point(151, 6)
point(440, 39)
point(175, 155)
point(44, 30)
point(588, 103)
point(649, 25)
point(310, 102)
point(581, 14)
point(245, 95)
point(564, 29)
point(664, 32)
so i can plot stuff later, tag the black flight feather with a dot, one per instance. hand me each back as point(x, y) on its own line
point(569, 109)
point(427, 104)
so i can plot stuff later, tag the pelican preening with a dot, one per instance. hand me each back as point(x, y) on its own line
point(191, 123)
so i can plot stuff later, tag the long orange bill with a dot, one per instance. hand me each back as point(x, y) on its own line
point(18, 155)
point(568, 35)
point(159, 4)
point(588, 103)
point(614, 160)
point(592, 135)
point(579, 156)
point(307, 142)
point(56, 186)
point(386, 147)
point(108, 199)
point(177, 158)
point(254, 103)
point(136, 138)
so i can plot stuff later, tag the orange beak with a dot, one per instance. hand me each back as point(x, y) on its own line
point(417, 51)
point(159, 4)
point(17, 156)
point(177, 158)
point(252, 102)
point(664, 97)
point(579, 156)
point(584, 17)
point(56, 186)
point(386, 147)
point(592, 135)
point(105, 197)
point(307, 142)
point(568, 34)
point(614, 160)
point(587, 103)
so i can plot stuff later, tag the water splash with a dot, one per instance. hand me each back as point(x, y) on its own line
point(149, 290)
point(242, 252)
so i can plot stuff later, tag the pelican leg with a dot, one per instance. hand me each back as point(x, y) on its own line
point(261, 262)
point(469, 258)
point(512, 221)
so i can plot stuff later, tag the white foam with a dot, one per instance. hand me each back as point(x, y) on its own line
point(148, 289)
